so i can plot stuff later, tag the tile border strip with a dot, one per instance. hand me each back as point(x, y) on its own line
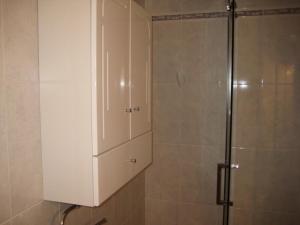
point(261, 12)
point(190, 16)
point(268, 12)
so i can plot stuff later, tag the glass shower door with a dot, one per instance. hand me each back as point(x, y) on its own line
point(189, 124)
point(266, 129)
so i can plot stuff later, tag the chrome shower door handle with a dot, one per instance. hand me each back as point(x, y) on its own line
point(219, 200)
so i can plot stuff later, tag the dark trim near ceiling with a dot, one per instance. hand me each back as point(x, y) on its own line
point(260, 12)
point(190, 16)
point(268, 12)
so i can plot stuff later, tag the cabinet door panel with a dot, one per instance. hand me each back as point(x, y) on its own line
point(141, 152)
point(114, 170)
point(113, 84)
point(140, 71)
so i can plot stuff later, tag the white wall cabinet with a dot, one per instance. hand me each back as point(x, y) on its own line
point(95, 86)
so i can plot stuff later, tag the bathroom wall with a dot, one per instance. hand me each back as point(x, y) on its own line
point(189, 64)
point(21, 186)
point(141, 2)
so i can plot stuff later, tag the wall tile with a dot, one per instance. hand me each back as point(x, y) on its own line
point(20, 40)
point(254, 118)
point(107, 210)
point(278, 177)
point(167, 113)
point(22, 99)
point(266, 4)
point(140, 2)
point(243, 180)
point(266, 123)
point(169, 170)
point(138, 217)
point(24, 145)
point(275, 218)
point(240, 216)
point(189, 104)
point(274, 55)
point(247, 217)
point(124, 204)
point(203, 125)
point(191, 6)
point(183, 6)
point(152, 182)
point(152, 176)
point(283, 182)
point(138, 193)
point(195, 214)
point(5, 209)
point(46, 213)
point(161, 212)
point(7, 223)
point(169, 51)
point(163, 6)
point(203, 35)
point(287, 117)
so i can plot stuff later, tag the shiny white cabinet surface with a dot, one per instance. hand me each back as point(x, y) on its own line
point(95, 87)
point(140, 71)
point(113, 51)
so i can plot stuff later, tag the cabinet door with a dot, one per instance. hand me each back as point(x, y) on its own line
point(141, 152)
point(113, 84)
point(140, 71)
point(114, 171)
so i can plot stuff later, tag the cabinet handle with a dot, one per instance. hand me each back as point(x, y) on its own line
point(133, 160)
point(136, 109)
point(128, 110)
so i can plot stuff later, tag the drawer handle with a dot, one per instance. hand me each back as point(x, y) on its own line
point(133, 160)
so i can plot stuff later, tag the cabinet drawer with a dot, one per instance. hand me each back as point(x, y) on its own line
point(141, 152)
point(114, 171)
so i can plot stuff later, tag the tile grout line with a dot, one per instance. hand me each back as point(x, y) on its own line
point(2, 29)
point(21, 213)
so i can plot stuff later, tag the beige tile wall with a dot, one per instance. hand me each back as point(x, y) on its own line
point(20, 147)
point(141, 2)
point(189, 113)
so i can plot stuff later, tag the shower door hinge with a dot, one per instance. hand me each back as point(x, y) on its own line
point(230, 4)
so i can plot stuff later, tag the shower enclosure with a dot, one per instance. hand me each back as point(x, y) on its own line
point(226, 113)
